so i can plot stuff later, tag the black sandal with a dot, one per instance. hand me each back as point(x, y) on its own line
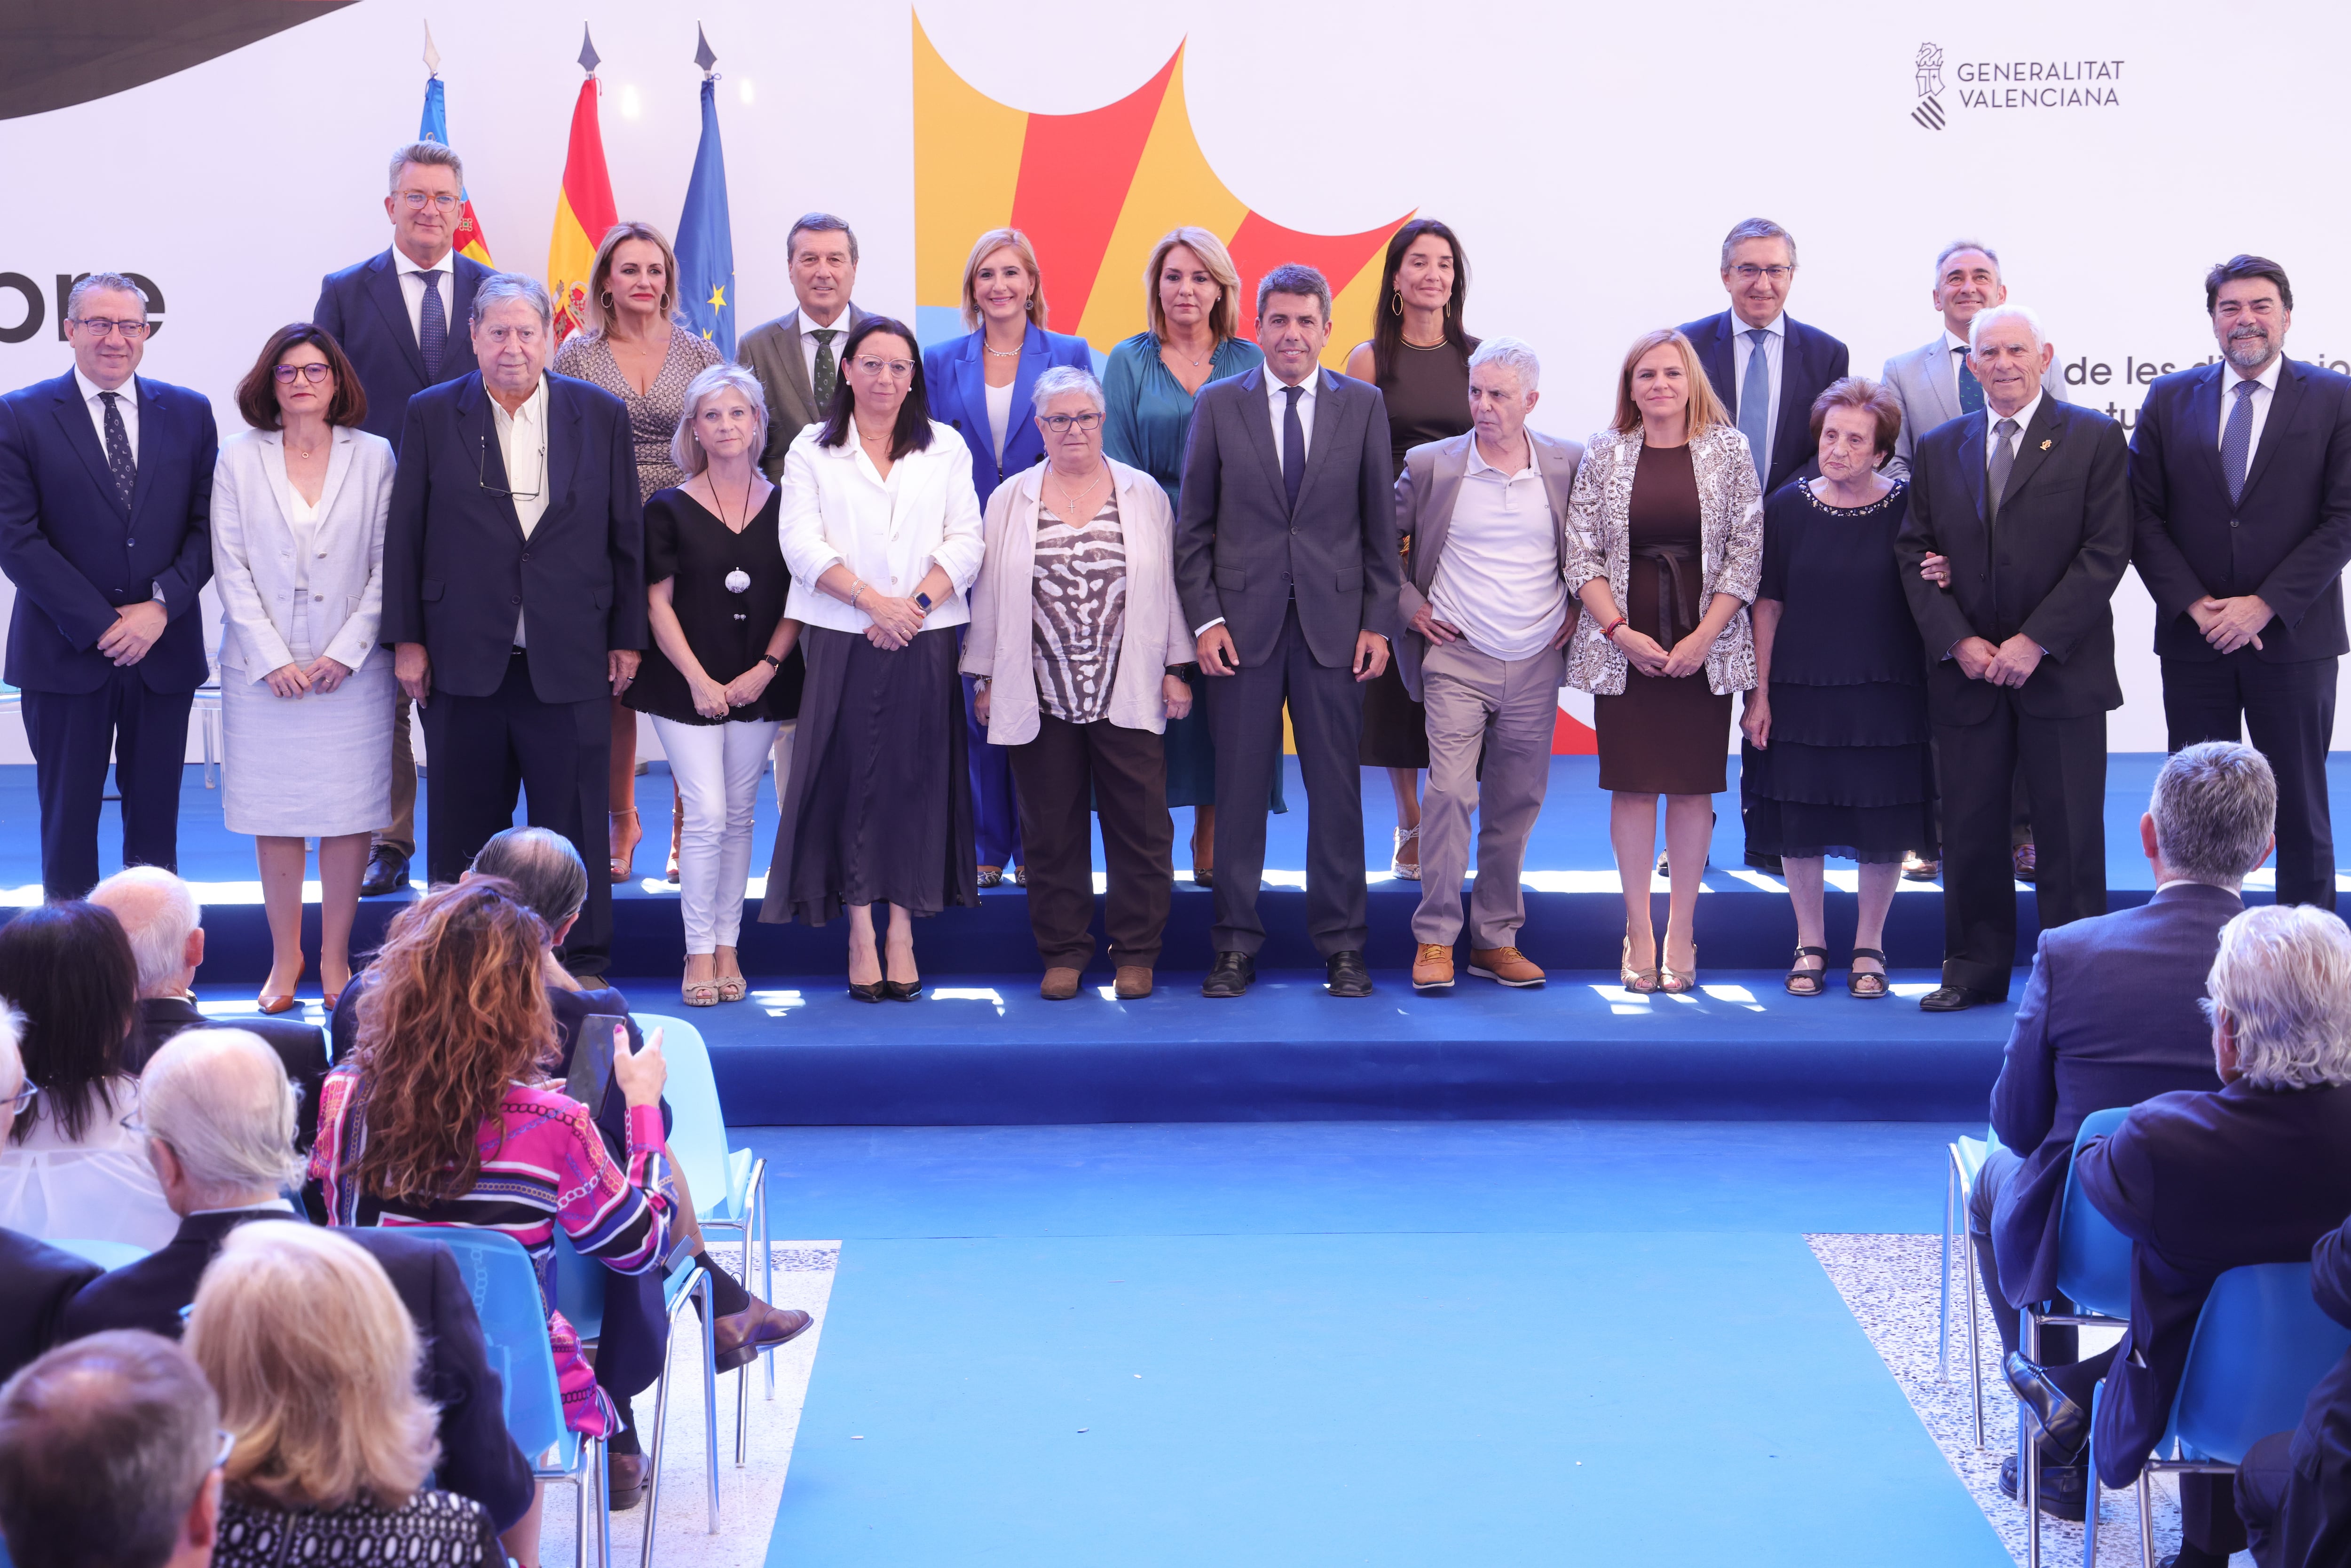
point(1818, 978)
point(1860, 982)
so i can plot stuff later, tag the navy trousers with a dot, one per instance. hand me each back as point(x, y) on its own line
point(2290, 710)
point(72, 734)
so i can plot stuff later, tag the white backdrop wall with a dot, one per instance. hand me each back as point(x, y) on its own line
point(1590, 157)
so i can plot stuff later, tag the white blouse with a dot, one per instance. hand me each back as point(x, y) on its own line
point(838, 509)
point(99, 1190)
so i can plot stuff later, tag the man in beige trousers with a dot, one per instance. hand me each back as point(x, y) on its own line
point(1486, 611)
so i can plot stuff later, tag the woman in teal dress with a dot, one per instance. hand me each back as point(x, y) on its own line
point(1193, 297)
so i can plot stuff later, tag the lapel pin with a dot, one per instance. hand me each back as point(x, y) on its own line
point(2046, 444)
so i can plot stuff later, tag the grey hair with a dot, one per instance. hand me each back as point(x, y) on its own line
point(1063, 379)
point(104, 1444)
point(1756, 228)
point(2215, 806)
point(431, 155)
point(1294, 277)
point(220, 1098)
point(90, 283)
point(500, 285)
point(544, 869)
point(1512, 354)
point(1958, 245)
point(159, 928)
point(2283, 977)
point(683, 449)
point(819, 223)
point(1991, 313)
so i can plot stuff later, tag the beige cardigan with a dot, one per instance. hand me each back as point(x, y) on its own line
point(997, 643)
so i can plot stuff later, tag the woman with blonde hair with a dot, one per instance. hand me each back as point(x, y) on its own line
point(638, 348)
point(315, 1362)
point(1666, 538)
point(1192, 298)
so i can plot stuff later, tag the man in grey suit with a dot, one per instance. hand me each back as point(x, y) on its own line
point(795, 356)
point(1486, 611)
point(1286, 563)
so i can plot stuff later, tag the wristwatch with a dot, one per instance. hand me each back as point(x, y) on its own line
point(770, 658)
point(926, 601)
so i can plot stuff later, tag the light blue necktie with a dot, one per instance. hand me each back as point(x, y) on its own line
point(2237, 441)
point(1755, 405)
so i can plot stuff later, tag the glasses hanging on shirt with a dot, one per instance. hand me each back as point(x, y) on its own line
point(482, 473)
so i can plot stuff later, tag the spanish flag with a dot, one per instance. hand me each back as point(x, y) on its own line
point(584, 212)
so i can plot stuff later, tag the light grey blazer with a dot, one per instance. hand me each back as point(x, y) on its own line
point(1929, 392)
point(253, 550)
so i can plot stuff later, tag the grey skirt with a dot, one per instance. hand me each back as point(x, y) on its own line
point(314, 767)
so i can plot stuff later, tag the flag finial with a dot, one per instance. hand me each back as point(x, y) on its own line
point(588, 58)
point(432, 55)
point(702, 54)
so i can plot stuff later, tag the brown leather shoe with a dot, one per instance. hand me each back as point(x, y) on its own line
point(628, 1472)
point(1432, 967)
point(2027, 863)
point(1060, 984)
point(1916, 867)
point(1134, 982)
point(739, 1336)
point(1507, 965)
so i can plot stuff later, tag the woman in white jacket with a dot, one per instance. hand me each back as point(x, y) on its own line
point(297, 517)
point(1076, 638)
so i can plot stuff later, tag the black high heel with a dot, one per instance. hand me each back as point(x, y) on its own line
point(902, 990)
point(872, 992)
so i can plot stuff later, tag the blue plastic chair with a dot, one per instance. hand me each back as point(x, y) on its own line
point(1966, 1162)
point(2260, 1345)
point(500, 1276)
point(105, 1254)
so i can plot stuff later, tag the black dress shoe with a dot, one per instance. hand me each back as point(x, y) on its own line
point(1230, 976)
point(2065, 1426)
point(869, 992)
point(1769, 865)
point(1952, 999)
point(387, 872)
point(628, 1472)
point(1348, 975)
point(902, 990)
point(2064, 1488)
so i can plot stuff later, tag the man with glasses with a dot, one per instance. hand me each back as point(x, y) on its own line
point(1766, 366)
point(106, 482)
point(399, 316)
point(513, 594)
point(795, 356)
point(37, 1281)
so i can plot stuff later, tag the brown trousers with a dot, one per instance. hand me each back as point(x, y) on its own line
point(1069, 772)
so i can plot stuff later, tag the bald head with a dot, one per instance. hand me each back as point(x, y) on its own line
point(547, 874)
point(218, 1103)
point(160, 915)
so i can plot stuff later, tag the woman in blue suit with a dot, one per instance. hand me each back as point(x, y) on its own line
point(980, 383)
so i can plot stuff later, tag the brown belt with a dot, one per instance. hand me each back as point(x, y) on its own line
point(1671, 560)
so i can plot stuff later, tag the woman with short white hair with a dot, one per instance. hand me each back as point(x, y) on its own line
point(1075, 654)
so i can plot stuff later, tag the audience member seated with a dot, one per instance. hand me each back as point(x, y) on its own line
point(160, 915)
point(220, 1118)
point(37, 1280)
point(110, 1453)
point(2204, 1182)
point(304, 1340)
point(2294, 1488)
point(447, 1072)
point(70, 1169)
point(2112, 1016)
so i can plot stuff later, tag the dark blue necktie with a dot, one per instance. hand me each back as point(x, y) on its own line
point(125, 467)
point(1293, 447)
point(2237, 441)
point(431, 326)
point(1970, 390)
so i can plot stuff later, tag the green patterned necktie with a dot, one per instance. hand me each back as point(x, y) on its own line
point(827, 372)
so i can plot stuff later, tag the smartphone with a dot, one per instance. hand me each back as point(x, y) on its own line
point(592, 1058)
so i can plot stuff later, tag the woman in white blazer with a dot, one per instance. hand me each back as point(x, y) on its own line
point(297, 519)
point(880, 529)
point(1075, 644)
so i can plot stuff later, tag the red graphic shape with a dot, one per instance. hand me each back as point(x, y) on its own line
point(1262, 245)
point(1571, 738)
point(1074, 173)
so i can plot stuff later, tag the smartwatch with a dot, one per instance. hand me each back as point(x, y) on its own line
point(926, 601)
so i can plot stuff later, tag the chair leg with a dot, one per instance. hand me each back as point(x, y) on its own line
point(601, 1475)
point(579, 1507)
point(710, 1393)
point(2028, 1449)
point(766, 1260)
point(2090, 1508)
point(2146, 1520)
point(1943, 1317)
point(1975, 1349)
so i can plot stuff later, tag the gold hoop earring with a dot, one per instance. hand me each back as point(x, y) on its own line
point(1395, 303)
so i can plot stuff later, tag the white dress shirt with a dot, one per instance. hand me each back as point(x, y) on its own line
point(1280, 404)
point(441, 278)
point(809, 330)
point(1499, 579)
point(128, 403)
point(522, 447)
point(97, 1189)
point(2266, 392)
point(2024, 417)
point(1775, 354)
point(839, 510)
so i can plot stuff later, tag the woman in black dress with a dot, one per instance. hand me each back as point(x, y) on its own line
point(1835, 761)
point(1418, 356)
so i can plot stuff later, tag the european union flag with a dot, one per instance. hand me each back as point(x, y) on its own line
point(706, 237)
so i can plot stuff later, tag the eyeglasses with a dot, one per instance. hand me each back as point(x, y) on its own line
point(98, 328)
point(23, 1098)
point(1747, 272)
point(1059, 423)
point(898, 368)
point(416, 200)
point(482, 476)
point(314, 373)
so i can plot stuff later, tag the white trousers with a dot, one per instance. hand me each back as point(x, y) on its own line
point(716, 769)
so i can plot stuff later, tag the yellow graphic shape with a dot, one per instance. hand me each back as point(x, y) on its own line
point(967, 165)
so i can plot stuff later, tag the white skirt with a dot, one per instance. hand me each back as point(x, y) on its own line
point(312, 767)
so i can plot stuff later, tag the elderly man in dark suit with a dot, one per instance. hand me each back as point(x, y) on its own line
point(2294, 1488)
point(2242, 473)
point(105, 483)
point(400, 316)
point(1764, 363)
point(2111, 1016)
point(514, 593)
point(2203, 1183)
point(2021, 513)
point(37, 1281)
point(797, 356)
point(220, 1119)
point(1286, 563)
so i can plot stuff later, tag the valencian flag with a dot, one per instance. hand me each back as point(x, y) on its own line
point(435, 128)
point(706, 237)
point(584, 212)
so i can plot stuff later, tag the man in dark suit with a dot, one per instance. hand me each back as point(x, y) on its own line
point(37, 1280)
point(1764, 363)
point(2294, 1488)
point(2203, 1183)
point(2242, 473)
point(400, 316)
point(106, 482)
point(1286, 563)
point(219, 1118)
point(513, 594)
point(2025, 505)
point(160, 915)
point(2112, 1016)
point(797, 356)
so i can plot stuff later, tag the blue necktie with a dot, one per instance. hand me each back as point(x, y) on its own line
point(1755, 405)
point(432, 328)
point(2237, 441)
point(1970, 390)
point(1293, 447)
point(124, 469)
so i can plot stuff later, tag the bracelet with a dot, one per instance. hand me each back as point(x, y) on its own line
point(1609, 631)
point(855, 591)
